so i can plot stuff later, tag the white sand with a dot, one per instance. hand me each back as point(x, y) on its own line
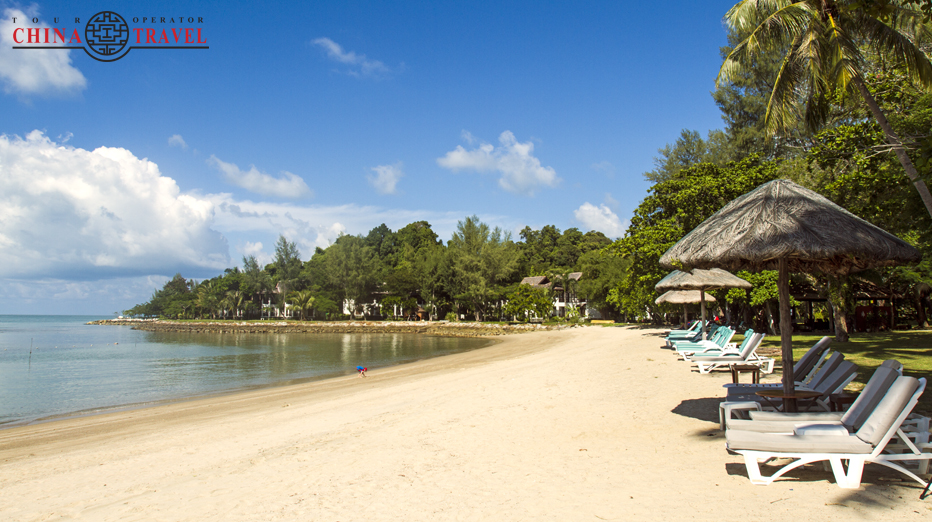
point(582, 424)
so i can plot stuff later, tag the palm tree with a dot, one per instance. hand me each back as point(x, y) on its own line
point(206, 300)
point(826, 46)
point(234, 301)
point(302, 300)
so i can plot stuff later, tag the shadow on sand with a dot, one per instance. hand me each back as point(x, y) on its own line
point(703, 409)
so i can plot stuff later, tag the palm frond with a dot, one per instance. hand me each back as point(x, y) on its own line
point(735, 63)
point(746, 15)
point(912, 23)
point(890, 41)
point(816, 55)
point(777, 27)
point(847, 61)
point(780, 114)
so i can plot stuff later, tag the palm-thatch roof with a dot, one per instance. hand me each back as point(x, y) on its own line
point(780, 219)
point(699, 279)
point(536, 281)
point(780, 225)
point(546, 283)
point(682, 297)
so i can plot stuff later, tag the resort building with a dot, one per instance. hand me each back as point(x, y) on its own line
point(561, 298)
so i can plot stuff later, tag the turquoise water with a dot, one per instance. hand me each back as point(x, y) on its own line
point(54, 366)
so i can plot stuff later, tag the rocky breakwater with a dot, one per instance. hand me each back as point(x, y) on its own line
point(421, 327)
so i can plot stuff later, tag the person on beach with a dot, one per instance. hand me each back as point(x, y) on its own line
point(361, 370)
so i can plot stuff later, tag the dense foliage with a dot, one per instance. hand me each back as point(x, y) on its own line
point(832, 142)
point(395, 273)
point(672, 209)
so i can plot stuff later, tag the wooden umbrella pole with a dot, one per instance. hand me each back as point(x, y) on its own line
point(786, 335)
point(702, 300)
point(685, 318)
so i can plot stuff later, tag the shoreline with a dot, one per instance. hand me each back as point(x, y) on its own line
point(105, 410)
point(440, 328)
point(576, 424)
point(120, 416)
point(481, 341)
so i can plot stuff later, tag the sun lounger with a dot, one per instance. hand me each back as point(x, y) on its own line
point(716, 350)
point(693, 336)
point(747, 356)
point(781, 422)
point(693, 328)
point(718, 341)
point(833, 443)
point(690, 332)
point(803, 370)
point(735, 392)
point(809, 362)
point(834, 382)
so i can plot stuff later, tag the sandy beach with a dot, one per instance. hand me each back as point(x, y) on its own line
point(578, 424)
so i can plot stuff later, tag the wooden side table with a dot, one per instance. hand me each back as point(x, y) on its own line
point(754, 370)
point(841, 401)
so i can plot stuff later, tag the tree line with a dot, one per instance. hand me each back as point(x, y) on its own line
point(393, 273)
point(832, 95)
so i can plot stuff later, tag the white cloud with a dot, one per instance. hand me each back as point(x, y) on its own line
point(57, 296)
point(328, 236)
point(308, 226)
point(386, 178)
point(358, 64)
point(97, 231)
point(521, 172)
point(70, 213)
point(312, 226)
point(253, 249)
point(287, 186)
point(34, 71)
point(175, 140)
point(600, 218)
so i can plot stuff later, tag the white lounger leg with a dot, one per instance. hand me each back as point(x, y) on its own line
point(752, 461)
point(850, 479)
point(753, 467)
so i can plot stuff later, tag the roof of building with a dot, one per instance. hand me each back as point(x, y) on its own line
point(536, 282)
point(544, 282)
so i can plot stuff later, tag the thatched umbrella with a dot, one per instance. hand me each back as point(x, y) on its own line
point(684, 297)
point(701, 280)
point(780, 225)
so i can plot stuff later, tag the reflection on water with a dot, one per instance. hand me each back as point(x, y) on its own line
point(72, 367)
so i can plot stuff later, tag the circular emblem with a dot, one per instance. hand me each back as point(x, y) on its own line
point(106, 34)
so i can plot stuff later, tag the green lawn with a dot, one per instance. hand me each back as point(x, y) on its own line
point(912, 348)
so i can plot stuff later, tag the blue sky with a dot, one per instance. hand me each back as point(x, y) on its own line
point(311, 119)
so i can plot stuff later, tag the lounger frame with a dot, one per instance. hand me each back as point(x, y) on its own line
point(849, 467)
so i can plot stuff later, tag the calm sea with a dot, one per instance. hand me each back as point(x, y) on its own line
point(55, 366)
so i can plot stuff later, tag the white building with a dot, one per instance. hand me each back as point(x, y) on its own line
point(572, 296)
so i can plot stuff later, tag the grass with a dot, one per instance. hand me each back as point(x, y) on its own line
point(867, 350)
